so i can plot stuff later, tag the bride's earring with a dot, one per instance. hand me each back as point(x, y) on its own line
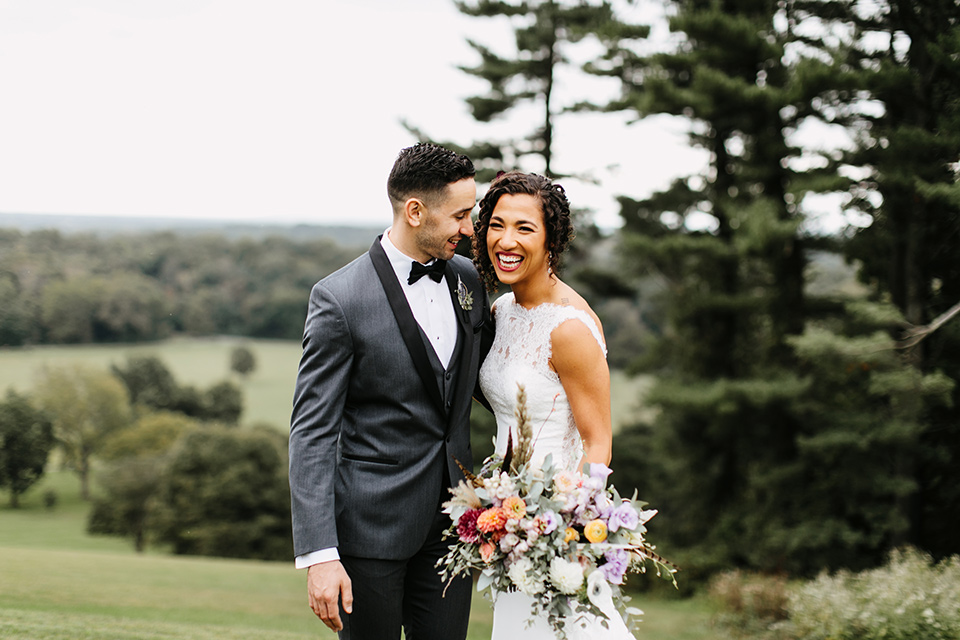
point(549, 260)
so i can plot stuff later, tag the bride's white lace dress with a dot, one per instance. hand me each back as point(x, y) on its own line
point(520, 354)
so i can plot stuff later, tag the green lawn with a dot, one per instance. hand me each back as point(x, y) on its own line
point(58, 583)
point(53, 594)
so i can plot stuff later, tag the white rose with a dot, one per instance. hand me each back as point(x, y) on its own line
point(566, 576)
point(521, 574)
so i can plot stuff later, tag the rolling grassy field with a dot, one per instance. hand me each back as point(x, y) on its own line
point(267, 392)
point(202, 362)
point(57, 582)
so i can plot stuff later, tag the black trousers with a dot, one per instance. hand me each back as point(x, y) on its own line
point(388, 594)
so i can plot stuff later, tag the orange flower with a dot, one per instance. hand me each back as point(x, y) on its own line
point(515, 507)
point(595, 531)
point(491, 520)
point(571, 535)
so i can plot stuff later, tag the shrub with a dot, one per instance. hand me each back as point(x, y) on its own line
point(224, 492)
point(908, 598)
point(750, 604)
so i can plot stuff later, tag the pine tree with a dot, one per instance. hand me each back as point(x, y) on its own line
point(909, 154)
point(545, 31)
point(730, 470)
point(763, 414)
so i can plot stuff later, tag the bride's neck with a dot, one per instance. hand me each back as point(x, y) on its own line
point(532, 292)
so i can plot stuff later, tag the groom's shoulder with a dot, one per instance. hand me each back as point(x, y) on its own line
point(463, 266)
point(347, 276)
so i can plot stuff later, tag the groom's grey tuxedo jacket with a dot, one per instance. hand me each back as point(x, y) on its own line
point(377, 421)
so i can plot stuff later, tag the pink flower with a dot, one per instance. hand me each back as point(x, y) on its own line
point(508, 542)
point(467, 526)
point(566, 481)
point(486, 551)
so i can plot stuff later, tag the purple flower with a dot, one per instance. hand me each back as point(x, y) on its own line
point(624, 516)
point(599, 471)
point(604, 505)
point(549, 521)
point(615, 566)
point(586, 513)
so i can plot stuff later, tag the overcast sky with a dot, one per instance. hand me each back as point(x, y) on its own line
point(280, 110)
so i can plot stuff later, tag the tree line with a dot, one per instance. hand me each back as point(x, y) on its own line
point(57, 288)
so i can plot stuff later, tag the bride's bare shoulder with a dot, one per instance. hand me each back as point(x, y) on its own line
point(569, 297)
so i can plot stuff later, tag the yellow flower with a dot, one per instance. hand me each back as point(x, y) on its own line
point(515, 507)
point(571, 535)
point(595, 531)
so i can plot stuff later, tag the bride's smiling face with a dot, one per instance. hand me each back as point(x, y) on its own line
point(517, 238)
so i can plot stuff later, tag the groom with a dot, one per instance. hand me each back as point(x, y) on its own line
point(391, 350)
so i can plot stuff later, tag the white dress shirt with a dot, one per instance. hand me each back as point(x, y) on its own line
point(433, 310)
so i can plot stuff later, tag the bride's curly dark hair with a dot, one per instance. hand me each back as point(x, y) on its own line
point(556, 218)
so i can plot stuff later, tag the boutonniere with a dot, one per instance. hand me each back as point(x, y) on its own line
point(464, 297)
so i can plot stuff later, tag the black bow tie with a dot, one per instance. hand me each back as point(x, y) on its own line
point(435, 271)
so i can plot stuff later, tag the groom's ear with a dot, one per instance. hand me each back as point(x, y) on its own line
point(413, 211)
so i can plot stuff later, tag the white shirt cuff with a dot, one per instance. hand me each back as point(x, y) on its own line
point(316, 557)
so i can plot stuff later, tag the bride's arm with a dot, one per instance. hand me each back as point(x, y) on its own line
point(579, 361)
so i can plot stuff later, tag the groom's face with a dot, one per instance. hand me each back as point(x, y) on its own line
point(447, 220)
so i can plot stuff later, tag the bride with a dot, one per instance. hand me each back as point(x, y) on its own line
point(550, 340)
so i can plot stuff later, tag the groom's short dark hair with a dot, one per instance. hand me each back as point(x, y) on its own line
point(424, 171)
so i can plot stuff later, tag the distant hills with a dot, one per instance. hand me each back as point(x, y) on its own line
point(345, 235)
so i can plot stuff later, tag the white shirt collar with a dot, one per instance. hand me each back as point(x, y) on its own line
point(429, 301)
point(398, 260)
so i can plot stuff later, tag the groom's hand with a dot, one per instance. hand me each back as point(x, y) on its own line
point(327, 585)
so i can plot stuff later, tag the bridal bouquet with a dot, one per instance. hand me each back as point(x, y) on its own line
point(564, 538)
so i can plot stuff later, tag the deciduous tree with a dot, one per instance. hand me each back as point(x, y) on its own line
point(242, 360)
point(224, 493)
point(86, 406)
point(26, 438)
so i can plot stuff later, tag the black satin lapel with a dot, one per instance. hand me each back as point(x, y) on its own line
point(466, 335)
point(409, 328)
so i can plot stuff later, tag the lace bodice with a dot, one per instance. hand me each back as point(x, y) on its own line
point(520, 354)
